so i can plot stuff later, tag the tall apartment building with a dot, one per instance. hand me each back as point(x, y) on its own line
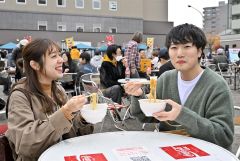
point(232, 38)
point(215, 19)
point(85, 20)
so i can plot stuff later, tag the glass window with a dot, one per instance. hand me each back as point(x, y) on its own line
point(61, 3)
point(21, 1)
point(113, 5)
point(96, 4)
point(96, 28)
point(79, 3)
point(61, 26)
point(113, 30)
point(80, 28)
point(42, 25)
point(42, 2)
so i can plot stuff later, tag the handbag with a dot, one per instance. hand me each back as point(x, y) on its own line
point(5, 149)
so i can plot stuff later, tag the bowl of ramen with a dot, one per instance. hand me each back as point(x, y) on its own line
point(149, 107)
point(94, 115)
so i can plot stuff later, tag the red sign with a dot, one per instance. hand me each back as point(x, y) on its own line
point(86, 157)
point(109, 39)
point(184, 151)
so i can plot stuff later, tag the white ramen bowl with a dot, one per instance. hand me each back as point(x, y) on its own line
point(148, 108)
point(94, 115)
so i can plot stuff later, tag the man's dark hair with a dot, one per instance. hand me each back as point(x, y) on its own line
point(186, 33)
point(85, 55)
point(112, 49)
point(97, 52)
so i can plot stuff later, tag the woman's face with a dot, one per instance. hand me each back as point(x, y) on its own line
point(119, 52)
point(65, 58)
point(52, 67)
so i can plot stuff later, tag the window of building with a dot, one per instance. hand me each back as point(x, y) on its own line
point(42, 2)
point(113, 30)
point(42, 25)
point(79, 3)
point(61, 26)
point(61, 3)
point(80, 28)
point(96, 4)
point(21, 1)
point(113, 5)
point(96, 28)
point(2, 1)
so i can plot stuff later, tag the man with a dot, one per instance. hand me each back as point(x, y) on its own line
point(200, 100)
point(166, 64)
point(18, 60)
point(221, 58)
point(132, 55)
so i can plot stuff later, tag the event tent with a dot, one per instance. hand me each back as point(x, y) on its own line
point(83, 46)
point(9, 45)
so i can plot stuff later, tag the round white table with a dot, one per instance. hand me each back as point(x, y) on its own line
point(155, 146)
point(141, 80)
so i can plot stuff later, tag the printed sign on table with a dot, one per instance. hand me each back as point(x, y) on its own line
point(134, 154)
point(184, 151)
point(86, 157)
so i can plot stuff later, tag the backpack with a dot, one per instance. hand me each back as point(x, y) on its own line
point(5, 149)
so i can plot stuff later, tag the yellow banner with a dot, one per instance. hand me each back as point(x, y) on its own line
point(150, 42)
point(144, 64)
point(69, 42)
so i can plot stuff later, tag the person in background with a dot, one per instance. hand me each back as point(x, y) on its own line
point(221, 58)
point(109, 75)
point(46, 117)
point(68, 66)
point(121, 62)
point(155, 59)
point(200, 101)
point(132, 55)
point(96, 60)
point(85, 66)
point(143, 74)
point(17, 57)
point(75, 55)
point(164, 58)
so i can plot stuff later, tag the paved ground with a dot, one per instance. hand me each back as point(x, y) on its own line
point(134, 125)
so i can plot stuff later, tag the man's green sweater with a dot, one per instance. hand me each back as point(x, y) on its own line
point(208, 111)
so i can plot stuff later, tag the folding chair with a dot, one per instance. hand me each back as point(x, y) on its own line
point(91, 86)
point(71, 78)
point(226, 74)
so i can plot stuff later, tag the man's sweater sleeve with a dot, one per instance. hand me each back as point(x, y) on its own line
point(216, 126)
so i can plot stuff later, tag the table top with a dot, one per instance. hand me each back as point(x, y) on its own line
point(136, 145)
point(141, 80)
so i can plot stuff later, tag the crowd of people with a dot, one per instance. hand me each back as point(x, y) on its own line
point(199, 100)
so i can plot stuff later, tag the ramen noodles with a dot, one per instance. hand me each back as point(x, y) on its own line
point(153, 86)
point(94, 100)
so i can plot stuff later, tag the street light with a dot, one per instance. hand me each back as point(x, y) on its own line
point(196, 10)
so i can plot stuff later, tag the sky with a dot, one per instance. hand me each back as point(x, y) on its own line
point(179, 12)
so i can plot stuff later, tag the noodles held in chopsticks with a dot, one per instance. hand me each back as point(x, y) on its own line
point(153, 85)
point(94, 100)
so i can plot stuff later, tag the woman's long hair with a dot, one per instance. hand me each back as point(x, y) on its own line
point(36, 51)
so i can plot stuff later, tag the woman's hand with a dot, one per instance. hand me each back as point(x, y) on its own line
point(170, 115)
point(133, 88)
point(75, 103)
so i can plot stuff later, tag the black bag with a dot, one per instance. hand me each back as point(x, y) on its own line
point(5, 149)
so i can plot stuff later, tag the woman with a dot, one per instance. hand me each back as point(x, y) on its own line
point(109, 75)
point(68, 66)
point(35, 126)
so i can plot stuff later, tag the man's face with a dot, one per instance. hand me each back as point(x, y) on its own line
point(184, 57)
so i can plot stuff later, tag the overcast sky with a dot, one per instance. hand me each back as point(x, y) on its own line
point(179, 12)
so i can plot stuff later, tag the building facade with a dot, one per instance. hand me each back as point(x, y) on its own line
point(84, 20)
point(232, 37)
point(215, 19)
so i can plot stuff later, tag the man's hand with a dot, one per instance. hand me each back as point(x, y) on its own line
point(170, 115)
point(133, 88)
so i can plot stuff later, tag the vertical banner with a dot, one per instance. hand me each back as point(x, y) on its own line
point(109, 39)
point(69, 42)
point(150, 42)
